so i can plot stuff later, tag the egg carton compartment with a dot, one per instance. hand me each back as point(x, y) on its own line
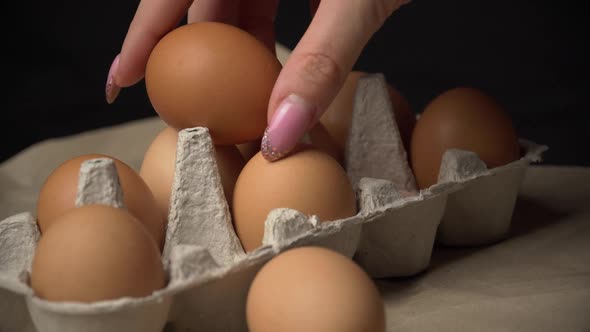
point(469, 205)
point(393, 234)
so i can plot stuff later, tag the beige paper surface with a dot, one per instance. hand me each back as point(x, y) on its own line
point(537, 280)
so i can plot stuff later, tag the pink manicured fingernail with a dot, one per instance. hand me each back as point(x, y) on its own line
point(112, 89)
point(288, 124)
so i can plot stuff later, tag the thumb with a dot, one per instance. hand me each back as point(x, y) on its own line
point(317, 68)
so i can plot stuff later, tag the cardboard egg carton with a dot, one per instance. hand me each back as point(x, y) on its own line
point(393, 234)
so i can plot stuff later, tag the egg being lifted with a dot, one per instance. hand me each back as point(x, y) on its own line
point(212, 75)
point(461, 118)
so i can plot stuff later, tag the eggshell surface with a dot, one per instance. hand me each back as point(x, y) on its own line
point(94, 253)
point(58, 195)
point(212, 75)
point(313, 289)
point(309, 181)
point(462, 118)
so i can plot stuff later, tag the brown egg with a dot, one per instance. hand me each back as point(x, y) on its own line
point(95, 253)
point(313, 289)
point(309, 181)
point(461, 118)
point(338, 116)
point(212, 75)
point(159, 165)
point(58, 195)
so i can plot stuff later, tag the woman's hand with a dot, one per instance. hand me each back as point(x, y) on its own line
point(311, 77)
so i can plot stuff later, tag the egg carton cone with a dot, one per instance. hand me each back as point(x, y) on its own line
point(209, 274)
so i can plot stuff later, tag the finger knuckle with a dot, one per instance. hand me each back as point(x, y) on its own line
point(320, 69)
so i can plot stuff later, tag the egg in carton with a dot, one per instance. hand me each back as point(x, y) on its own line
point(393, 234)
point(470, 205)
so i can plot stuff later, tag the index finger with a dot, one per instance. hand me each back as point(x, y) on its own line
point(153, 19)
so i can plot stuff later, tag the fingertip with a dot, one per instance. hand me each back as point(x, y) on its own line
point(153, 19)
point(305, 87)
point(287, 126)
point(134, 56)
point(112, 89)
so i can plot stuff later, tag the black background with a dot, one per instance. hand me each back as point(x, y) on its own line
point(527, 54)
